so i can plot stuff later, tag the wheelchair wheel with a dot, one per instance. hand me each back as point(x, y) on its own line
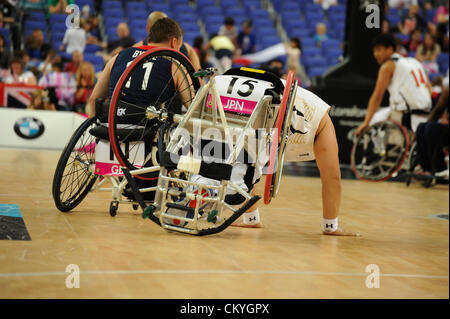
point(278, 147)
point(411, 162)
point(380, 151)
point(131, 125)
point(74, 176)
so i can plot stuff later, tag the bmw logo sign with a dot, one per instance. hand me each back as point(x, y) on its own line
point(29, 127)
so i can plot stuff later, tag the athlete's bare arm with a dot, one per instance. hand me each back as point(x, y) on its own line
point(101, 88)
point(384, 78)
point(184, 86)
point(326, 153)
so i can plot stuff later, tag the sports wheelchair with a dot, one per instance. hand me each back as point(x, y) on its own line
point(177, 187)
point(88, 163)
point(381, 150)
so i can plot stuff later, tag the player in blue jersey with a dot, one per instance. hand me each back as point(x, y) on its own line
point(149, 83)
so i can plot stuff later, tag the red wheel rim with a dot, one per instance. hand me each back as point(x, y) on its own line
point(274, 147)
point(113, 104)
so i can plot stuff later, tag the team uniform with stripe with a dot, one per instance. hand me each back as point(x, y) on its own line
point(407, 89)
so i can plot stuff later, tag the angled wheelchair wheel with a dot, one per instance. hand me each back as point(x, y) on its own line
point(411, 162)
point(133, 128)
point(380, 151)
point(74, 175)
point(278, 147)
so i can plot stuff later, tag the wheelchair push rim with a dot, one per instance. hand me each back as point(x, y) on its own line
point(390, 168)
point(74, 175)
point(183, 65)
point(277, 153)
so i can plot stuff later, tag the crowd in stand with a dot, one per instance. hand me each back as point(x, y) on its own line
point(67, 76)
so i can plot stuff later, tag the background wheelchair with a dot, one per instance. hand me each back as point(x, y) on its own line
point(181, 202)
point(414, 169)
point(381, 150)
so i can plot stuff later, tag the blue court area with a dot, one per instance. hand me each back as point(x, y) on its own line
point(12, 226)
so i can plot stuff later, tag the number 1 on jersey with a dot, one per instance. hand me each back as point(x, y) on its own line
point(148, 69)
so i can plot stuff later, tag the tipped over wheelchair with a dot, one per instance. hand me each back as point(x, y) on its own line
point(194, 171)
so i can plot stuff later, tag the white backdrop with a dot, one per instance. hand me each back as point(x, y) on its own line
point(50, 129)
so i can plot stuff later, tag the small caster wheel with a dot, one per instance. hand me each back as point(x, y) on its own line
point(135, 206)
point(212, 216)
point(113, 207)
point(148, 211)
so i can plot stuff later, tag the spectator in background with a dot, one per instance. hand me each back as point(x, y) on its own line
point(202, 53)
point(95, 28)
point(441, 16)
point(400, 4)
point(275, 66)
point(411, 21)
point(74, 39)
point(440, 26)
point(18, 75)
point(63, 83)
point(229, 30)
point(321, 34)
point(400, 49)
point(5, 55)
point(427, 54)
point(414, 41)
point(246, 40)
point(294, 52)
point(223, 49)
point(26, 60)
point(72, 66)
point(46, 66)
point(41, 101)
point(198, 44)
point(57, 6)
point(85, 79)
point(124, 41)
point(386, 26)
point(326, 4)
point(10, 17)
point(35, 46)
point(93, 34)
point(430, 4)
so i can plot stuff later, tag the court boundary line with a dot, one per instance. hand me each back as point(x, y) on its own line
point(215, 272)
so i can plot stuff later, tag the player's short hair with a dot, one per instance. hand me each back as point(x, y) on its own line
point(163, 30)
point(386, 40)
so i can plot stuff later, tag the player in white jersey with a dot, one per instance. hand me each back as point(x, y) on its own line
point(312, 136)
point(404, 78)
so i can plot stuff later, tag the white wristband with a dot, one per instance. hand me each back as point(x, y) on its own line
point(252, 218)
point(329, 225)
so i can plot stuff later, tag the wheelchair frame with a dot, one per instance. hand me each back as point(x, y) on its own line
point(217, 118)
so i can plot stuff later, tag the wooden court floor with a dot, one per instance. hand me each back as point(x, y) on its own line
point(128, 257)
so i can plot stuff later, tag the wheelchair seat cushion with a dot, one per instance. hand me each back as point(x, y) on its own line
point(125, 135)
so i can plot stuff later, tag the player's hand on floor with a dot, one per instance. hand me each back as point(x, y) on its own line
point(341, 232)
point(241, 224)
